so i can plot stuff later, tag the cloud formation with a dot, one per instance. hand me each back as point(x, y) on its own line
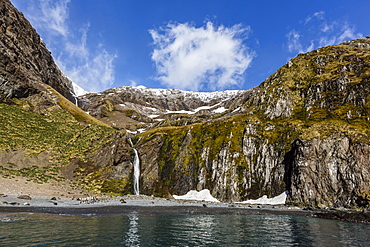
point(89, 66)
point(317, 32)
point(50, 15)
point(204, 58)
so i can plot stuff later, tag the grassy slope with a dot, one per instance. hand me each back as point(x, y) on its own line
point(63, 130)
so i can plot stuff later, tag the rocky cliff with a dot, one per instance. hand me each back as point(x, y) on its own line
point(25, 61)
point(304, 130)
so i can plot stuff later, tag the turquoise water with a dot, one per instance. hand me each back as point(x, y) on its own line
point(177, 230)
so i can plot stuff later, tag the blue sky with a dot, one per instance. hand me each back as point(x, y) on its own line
point(199, 45)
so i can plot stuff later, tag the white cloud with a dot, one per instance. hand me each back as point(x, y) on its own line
point(294, 43)
point(133, 83)
point(49, 15)
point(204, 58)
point(319, 15)
point(318, 32)
point(89, 66)
point(78, 47)
point(93, 75)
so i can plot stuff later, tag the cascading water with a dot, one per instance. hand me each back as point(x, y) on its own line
point(136, 170)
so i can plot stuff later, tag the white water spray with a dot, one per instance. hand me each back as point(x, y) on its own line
point(136, 170)
point(76, 100)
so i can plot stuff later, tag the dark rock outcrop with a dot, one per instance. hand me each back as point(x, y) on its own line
point(24, 60)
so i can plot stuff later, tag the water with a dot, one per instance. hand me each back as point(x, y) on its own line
point(136, 175)
point(178, 230)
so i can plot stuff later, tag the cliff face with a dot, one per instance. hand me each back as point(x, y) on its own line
point(25, 61)
point(332, 171)
point(304, 130)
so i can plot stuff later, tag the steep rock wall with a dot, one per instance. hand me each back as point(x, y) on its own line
point(304, 130)
point(24, 59)
point(227, 157)
point(332, 172)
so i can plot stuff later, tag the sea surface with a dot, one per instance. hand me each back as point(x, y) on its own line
point(135, 229)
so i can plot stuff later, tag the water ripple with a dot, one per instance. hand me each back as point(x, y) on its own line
point(178, 230)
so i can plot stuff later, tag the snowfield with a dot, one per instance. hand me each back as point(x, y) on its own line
point(277, 200)
point(203, 195)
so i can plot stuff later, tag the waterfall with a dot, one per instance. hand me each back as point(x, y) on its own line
point(136, 170)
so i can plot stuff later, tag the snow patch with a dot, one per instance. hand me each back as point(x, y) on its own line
point(131, 132)
point(206, 107)
point(204, 96)
point(78, 90)
point(180, 112)
point(237, 109)
point(277, 200)
point(203, 195)
point(220, 110)
point(139, 131)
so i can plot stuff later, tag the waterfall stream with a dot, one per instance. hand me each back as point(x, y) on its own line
point(136, 170)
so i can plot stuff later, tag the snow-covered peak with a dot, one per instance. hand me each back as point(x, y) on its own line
point(133, 108)
point(78, 91)
point(163, 93)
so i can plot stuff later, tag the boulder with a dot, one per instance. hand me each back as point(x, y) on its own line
point(24, 197)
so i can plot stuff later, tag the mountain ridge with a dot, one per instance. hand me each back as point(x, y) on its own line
point(141, 106)
point(305, 130)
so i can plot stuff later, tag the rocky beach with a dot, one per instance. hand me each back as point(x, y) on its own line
point(95, 205)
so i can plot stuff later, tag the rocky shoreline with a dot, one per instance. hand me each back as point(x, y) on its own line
point(153, 205)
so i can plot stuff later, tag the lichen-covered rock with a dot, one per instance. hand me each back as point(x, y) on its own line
point(304, 130)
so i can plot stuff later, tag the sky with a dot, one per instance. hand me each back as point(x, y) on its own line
point(197, 45)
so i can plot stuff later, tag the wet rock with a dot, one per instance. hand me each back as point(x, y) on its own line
point(24, 197)
point(350, 216)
